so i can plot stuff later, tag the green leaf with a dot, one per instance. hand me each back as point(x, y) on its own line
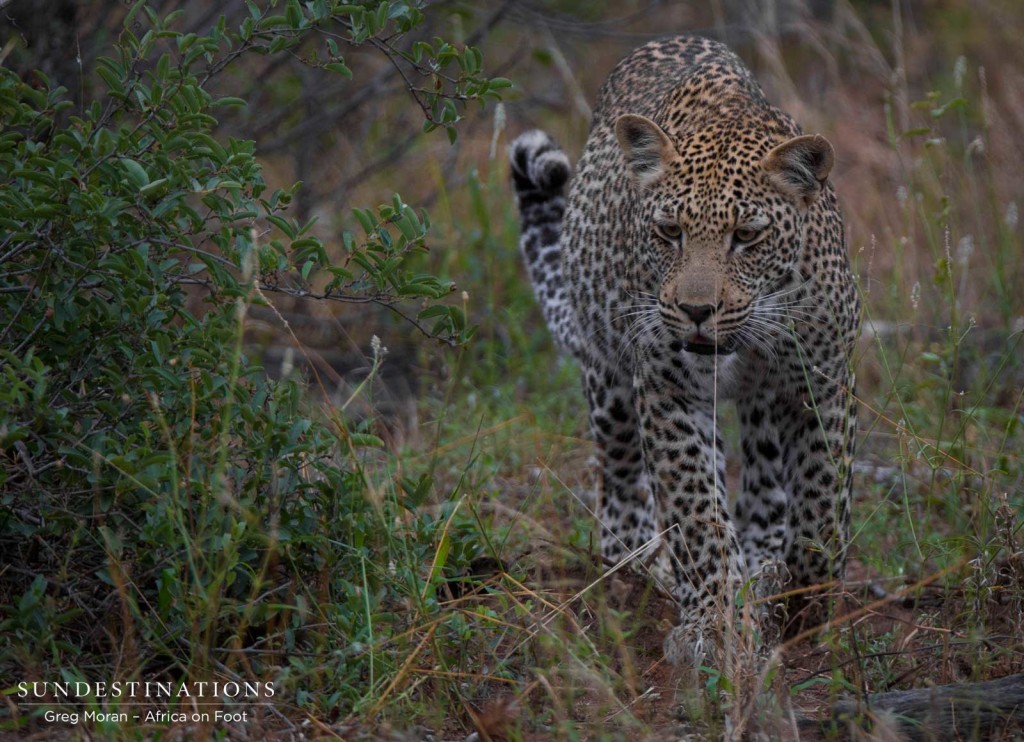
point(366, 440)
point(366, 220)
point(153, 186)
point(283, 224)
point(129, 18)
point(339, 68)
point(915, 132)
point(136, 173)
point(111, 541)
point(434, 311)
point(955, 104)
point(294, 14)
point(270, 22)
point(229, 102)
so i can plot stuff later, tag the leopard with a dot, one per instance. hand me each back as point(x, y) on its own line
point(697, 258)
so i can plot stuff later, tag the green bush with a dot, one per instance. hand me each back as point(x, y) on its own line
point(164, 507)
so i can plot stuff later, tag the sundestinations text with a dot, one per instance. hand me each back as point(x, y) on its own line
point(146, 689)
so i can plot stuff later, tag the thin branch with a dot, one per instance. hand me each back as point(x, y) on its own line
point(384, 301)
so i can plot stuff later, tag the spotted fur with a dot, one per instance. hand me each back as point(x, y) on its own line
point(700, 257)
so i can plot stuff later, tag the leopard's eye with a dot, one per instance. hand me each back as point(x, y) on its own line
point(669, 230)
point(745, 236)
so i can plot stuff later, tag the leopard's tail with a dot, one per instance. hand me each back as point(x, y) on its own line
point(540, 171)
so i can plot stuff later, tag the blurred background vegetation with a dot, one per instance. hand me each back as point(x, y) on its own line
point(400, 539)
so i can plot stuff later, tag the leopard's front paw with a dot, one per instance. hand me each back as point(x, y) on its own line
point(767, 587)
point(689, 645)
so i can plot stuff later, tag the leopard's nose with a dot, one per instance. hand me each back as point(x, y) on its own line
point(697, 313)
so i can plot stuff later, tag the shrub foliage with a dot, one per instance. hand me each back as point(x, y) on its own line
point(164, 507)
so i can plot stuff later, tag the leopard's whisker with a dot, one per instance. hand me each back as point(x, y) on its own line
point(639, 327)
point(748, 338)
point(635, 310)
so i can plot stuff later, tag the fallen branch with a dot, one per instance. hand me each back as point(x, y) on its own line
point(970, 711)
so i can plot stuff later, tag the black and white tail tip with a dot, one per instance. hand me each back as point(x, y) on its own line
point(538, 164)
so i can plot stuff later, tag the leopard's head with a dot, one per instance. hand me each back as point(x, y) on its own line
point(724, 211)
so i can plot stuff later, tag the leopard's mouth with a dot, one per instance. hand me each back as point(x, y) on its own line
point(705, 346)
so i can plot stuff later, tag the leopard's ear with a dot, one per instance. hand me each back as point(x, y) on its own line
point(799, 167)
point(645, 145)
